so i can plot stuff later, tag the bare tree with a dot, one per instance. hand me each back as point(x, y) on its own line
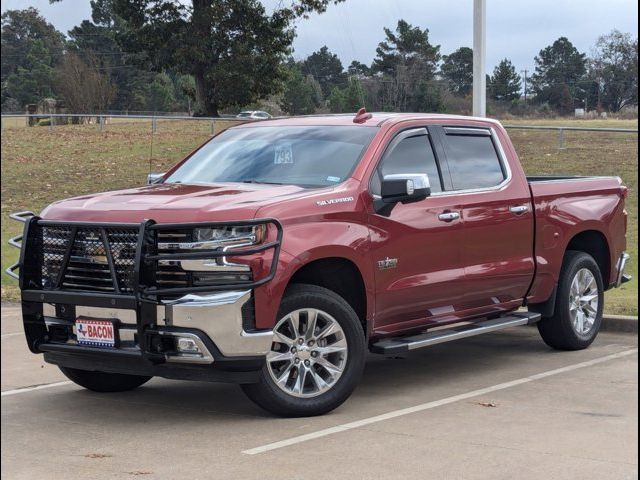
point(82, 85)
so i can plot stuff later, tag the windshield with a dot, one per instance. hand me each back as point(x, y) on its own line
point(313, 156)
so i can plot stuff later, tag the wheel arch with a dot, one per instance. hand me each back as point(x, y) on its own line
point(342, 276)
point(591, 241)
point(595, 243)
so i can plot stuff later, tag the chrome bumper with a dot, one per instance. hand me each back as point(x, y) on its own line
point(622, 264)
point(218, 316)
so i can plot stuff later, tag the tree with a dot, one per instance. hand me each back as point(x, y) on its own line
point(81, 84)
point(359, 69)
point(233, 48)
point(302, 93)
point(457, 68)
point(505, 83)
point(186, 91)
point(326, 68)
point(347, 99)
point(408, 47)
point(31, 47)
point(614, 69)
point(98, 42)
point(406, 63)
point(558, 66)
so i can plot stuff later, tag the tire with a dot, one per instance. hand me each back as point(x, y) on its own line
point(328, 379)
point(103, 381)
point(575, 324)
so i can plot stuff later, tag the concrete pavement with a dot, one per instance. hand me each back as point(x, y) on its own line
point(555, 415)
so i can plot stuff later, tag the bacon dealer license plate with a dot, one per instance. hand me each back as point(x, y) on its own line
point(95, 333)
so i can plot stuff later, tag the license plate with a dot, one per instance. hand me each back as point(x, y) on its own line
point(95, 333)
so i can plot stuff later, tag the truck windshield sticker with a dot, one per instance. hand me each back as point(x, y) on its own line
point(283, 154)
point(333, 179)
point(335, 200)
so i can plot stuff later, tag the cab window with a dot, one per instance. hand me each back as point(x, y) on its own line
point(409, 153)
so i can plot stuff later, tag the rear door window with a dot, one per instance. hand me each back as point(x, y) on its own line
point(472, 158)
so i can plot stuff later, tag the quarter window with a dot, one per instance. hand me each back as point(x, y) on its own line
point(473, 161)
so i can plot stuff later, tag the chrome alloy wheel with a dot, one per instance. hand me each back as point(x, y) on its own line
point(308, 354)
point(583, 301)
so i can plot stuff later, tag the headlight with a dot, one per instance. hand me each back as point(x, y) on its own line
point(228, 236)
point(221, 239)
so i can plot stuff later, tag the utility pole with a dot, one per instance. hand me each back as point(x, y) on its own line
point(525, 85)
point(479, 58)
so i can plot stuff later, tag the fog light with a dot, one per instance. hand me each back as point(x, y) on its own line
point(187, 345)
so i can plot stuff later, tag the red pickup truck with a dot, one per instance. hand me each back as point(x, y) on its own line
point(276, 254)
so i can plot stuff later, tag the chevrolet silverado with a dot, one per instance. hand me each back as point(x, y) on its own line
point(280, 252)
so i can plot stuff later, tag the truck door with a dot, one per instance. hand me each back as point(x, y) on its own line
point(498, 224)
point(419, 276)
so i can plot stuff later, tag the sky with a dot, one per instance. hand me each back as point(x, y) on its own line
point(516, 29)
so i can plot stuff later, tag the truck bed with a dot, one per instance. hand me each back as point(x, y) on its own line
point(566, 205)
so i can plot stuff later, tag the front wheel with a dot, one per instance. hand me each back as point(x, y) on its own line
point(579, 303)
point(316, 358)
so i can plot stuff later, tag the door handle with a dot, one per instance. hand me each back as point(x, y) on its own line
point(519, 208)
point(449, 216)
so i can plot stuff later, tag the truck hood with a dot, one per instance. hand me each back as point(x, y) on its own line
point(175, 202)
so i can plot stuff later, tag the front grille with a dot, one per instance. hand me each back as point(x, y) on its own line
point(88, 267)
point(146, 261)
point(170, 274)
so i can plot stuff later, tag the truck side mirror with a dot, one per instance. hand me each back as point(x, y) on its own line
point(154, 178)
point(405, 187)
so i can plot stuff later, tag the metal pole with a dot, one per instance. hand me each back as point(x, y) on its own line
point(561, 139)
point(525, 85)
point(154, 125)
point(213, 126)
point(101, 121)
point(479, 58)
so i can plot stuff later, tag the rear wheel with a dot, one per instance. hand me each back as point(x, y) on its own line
point(579, 303)
point(103, 381)
point(316, 358)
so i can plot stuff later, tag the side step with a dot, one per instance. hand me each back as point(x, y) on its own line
point(404, 344)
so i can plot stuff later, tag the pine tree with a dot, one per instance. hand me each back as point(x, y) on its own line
point(505, 84)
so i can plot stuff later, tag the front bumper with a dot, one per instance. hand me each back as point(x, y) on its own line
point(216, 323)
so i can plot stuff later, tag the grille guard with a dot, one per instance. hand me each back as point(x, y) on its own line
point(146, 259)
point(144, 296)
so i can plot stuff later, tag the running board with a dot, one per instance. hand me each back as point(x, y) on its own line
point(404, 344)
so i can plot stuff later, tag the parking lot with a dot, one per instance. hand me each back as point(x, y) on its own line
point(496, 406)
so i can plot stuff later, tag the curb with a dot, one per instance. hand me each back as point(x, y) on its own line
point(619, 323)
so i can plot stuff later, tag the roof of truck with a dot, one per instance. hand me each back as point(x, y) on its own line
point(373, 119)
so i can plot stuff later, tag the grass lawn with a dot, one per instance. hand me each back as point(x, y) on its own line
point(41, 165)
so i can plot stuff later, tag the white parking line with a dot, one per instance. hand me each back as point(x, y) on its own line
point(35, 387)
point(437, 403)
point(7, 335)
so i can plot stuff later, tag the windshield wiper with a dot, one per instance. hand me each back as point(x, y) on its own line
point(263, 182)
